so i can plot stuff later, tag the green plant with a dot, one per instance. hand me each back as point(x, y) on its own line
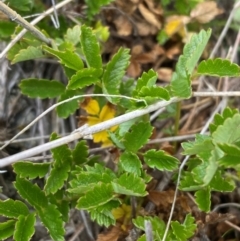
point(76, 180)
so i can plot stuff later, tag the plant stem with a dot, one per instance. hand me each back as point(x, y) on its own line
point(177, 122)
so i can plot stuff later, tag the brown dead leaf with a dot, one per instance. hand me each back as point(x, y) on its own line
point(183, 201)
point(173, 51)
point(154, 7)
point(206, 11)
point(144, 28)
point(149, 16)
point(123, 26)
point(163, 198)
point(134, 69)
point(112, 235)
point(165, 74)
point(127, 7)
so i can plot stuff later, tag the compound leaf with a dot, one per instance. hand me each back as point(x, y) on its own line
point(13, 209)
point(41, 88)
point(203, 199)
point(83, 77)
point(31, 170)
point(138, 136)
point(7, 229)
point(124, 185)
point(130, 162)
point(114, 72)
point(218, 67)
point(90, 48)
point(99, 195)
point(24, 228)
point(160, 160)
point(67, 58)
point(62, 165)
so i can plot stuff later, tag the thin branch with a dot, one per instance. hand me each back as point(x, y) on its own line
point(62, 102)
point(14, 16)
point(217, 94)
point(35, 21)
point(85, 132)
point(224, 31)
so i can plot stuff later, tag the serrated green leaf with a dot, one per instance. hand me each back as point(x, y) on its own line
point(160, 160)
point(188, 183)
point(90, 48)
point(13, 209)
point(220, 184)
point(193, 50)
point(73, 35)
point(80, 153)
point(62, 205)
point(31, 193)
point(41, 88)
point(181, 82)
point(28, 54)
point(7, 229)
point(198, 147)
point(219, 119)
point(31, 170)
point(86, 181)
point(184, 231)
point(154, 92)
point(62, 164)
point(203, 199)
point(24, 228)
point(124, 185)
point(114, 72)
point(68, 108)
point(148, 79)
point(103, 218)
point(99, 195)
point(231, 156)
point(83, 78)
point(229, 132)
point(138, 136)
point(218, 67)
point(52, 220)
point(67, 58)
point(130, 162)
